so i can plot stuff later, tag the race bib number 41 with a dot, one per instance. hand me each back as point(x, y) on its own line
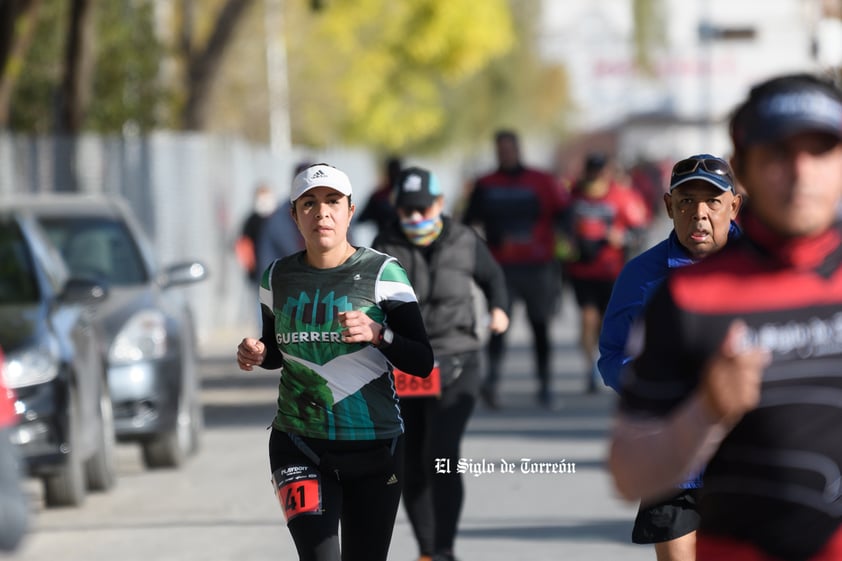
point(407, 385)
point(298, 489)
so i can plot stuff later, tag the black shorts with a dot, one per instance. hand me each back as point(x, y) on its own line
point(537, 286)
point(590, 292)
point(667, 520)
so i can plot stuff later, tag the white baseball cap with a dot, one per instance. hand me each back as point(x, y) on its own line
point(320, 175)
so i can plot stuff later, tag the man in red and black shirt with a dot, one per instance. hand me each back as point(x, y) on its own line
point(741, 366)
point(604, 222)
point(519, 209)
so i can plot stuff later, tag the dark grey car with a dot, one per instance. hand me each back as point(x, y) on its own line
point(146, 322)
point(65, 431)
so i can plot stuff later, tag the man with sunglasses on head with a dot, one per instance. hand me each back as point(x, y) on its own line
point(703, 205)
point(740, 366)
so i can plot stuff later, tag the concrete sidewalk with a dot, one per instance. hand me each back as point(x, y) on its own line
point(539, 516)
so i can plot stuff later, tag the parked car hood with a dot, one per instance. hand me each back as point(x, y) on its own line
point(121, 304)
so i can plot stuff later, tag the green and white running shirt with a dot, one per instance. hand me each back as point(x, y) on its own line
point(330, 389)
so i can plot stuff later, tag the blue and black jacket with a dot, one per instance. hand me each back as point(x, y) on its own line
point(634, 287)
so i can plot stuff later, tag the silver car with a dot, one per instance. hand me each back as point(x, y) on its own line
point(65, 430)
point(146, 325)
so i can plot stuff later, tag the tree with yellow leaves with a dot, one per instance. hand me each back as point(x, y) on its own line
point(383, 69)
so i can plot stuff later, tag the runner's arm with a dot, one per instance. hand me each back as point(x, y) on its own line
point(649, 458)
point(627, 301)
point(274, 358)
point(489, 277)
point(410, 351)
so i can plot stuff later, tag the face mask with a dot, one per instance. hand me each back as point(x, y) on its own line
point(423, 232)
point(264, 205)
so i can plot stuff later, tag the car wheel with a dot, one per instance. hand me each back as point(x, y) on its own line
point(170, 448)
point(100, 469)
point(67, 487)
point(197, 425)
point(197, 417)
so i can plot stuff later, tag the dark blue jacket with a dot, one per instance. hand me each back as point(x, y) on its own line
point(632, 290)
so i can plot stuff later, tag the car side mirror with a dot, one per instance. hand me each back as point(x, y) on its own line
point(184, 273)
point(79, 290)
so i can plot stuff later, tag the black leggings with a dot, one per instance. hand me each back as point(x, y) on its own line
point(366, 504)
point(541, 353)
point(538, 287)
point(434, 430)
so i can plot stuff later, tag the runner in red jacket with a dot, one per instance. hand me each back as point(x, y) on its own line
point(603, 224)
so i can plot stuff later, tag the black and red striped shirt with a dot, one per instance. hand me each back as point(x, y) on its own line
point(776, 480)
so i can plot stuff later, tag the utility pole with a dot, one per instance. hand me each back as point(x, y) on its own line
point(709, 34)
point(276, 77)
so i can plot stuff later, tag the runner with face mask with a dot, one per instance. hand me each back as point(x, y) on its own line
point(443, 259)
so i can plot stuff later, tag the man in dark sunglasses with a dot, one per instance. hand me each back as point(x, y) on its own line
point(703, 205)
point(741, 365)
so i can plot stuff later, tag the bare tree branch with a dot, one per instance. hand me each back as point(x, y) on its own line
point(185, 35)
point(17, 28)
point(203, 65)
point(78, 69)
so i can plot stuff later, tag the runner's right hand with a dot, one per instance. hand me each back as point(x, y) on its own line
point(250, 352)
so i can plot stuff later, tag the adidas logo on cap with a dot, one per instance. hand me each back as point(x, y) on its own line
point(320, 175)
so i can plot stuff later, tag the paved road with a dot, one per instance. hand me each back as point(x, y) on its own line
point(220, 506)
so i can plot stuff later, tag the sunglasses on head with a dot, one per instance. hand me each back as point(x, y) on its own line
point(713, 166)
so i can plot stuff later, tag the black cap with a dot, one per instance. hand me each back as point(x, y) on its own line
point(785, 106)
point(417, 188)
point(595, 162)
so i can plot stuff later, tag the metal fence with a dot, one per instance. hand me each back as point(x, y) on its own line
point(191, 193)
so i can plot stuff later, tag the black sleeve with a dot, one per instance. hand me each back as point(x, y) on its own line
point(489, 277)
point(274, 358)
point(411, 350)
point(14, 508)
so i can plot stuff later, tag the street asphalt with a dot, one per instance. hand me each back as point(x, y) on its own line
point(536, 485)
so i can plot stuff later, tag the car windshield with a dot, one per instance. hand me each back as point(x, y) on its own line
point(17, 275)
point(97, 248)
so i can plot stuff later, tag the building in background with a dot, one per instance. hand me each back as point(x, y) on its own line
point(711, 52)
